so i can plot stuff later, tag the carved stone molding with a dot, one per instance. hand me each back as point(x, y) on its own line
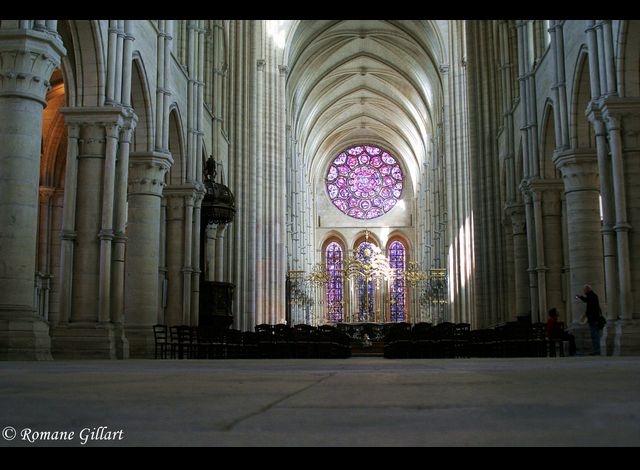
point(27, 60)
point(579, 169)
point(147, 171)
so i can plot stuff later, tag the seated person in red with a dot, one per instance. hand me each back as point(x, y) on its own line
point(555, 330)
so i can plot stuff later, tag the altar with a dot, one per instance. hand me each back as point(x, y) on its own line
point(367, 339)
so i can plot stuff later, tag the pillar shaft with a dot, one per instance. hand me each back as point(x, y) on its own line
point(142, 293)
point(174, 253)
point(146, 181)
point(608, 217)
point(27, 60)
point(580, 176)
point(623, 114)
point(517, 215)
point(68, 234)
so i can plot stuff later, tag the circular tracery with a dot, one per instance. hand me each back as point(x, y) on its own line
point(364, 181)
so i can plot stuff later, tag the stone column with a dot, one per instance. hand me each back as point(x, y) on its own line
point(120, 239)
point(195, 257)
point(87, 233)
point(68, 234)
point(552, 228)
point(55, 245)
point(182, 256)
point(142, 294)
point(520, 258)
point(531, 249)
point(581, 186)
point(174, 248)
point(607, 201)
point(187, 268)
point(209, 251)
point(219, 254)
point(43, 274)
point(106, 224)
point(622, 225)
point(27, 60)
point(541, 266)
point(622, 118)
point(559, 88)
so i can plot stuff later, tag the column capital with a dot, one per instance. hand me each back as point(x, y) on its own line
point(28, 57)
point(187, 190)
point(122, 116)
point(211, 231)
point(615, 110)
point(537, 186)
point(146, 172)
point(46, 192)
point(579, 169)
point(516, 212)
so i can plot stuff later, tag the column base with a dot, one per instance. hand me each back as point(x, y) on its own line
point(87, 341)
point(141, 342)
point(622, 337)
point(122, 343)
point(24, 339)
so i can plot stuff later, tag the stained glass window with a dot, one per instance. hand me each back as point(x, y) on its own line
point(366, 291)
point(334, 287)
point(364, 181)
point(398, 289)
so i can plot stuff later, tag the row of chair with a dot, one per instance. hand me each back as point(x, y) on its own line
point(302, 341)
point(424, 340)
point(402, 340)
point(267, 341)
point(198, 342)
point(449, 340)
point(510, 339)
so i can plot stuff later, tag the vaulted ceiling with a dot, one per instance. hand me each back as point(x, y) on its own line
point(356, 81)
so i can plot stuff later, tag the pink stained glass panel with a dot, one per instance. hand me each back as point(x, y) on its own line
point(368, 180)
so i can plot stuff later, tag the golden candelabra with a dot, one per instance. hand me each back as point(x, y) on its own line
point(367, 268)
point(414, 275)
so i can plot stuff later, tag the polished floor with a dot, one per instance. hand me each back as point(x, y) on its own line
point(360, 401)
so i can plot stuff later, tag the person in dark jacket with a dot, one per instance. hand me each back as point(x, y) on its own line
point(556, 331)
point(592, 313)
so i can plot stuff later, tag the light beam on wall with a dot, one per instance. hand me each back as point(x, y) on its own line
point(277, 30)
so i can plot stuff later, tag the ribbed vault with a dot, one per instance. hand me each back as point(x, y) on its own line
point(363, 81)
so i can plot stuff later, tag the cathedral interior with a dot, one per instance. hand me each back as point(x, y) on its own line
point(314, 172)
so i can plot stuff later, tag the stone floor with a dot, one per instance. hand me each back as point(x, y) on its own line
point(361, 401)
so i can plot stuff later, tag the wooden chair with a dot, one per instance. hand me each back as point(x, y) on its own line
point(161, 340)
point(181, 341)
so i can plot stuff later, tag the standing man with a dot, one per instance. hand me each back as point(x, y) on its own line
point(592, 313)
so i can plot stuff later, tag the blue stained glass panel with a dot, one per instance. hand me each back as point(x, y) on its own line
point(398, 288)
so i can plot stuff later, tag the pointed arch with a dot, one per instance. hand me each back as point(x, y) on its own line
point(628, 65)
point(85, 64)
point(580, 133)
point(177, 174)
point(142, 140)
point(54, 135)
point(548, 143)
